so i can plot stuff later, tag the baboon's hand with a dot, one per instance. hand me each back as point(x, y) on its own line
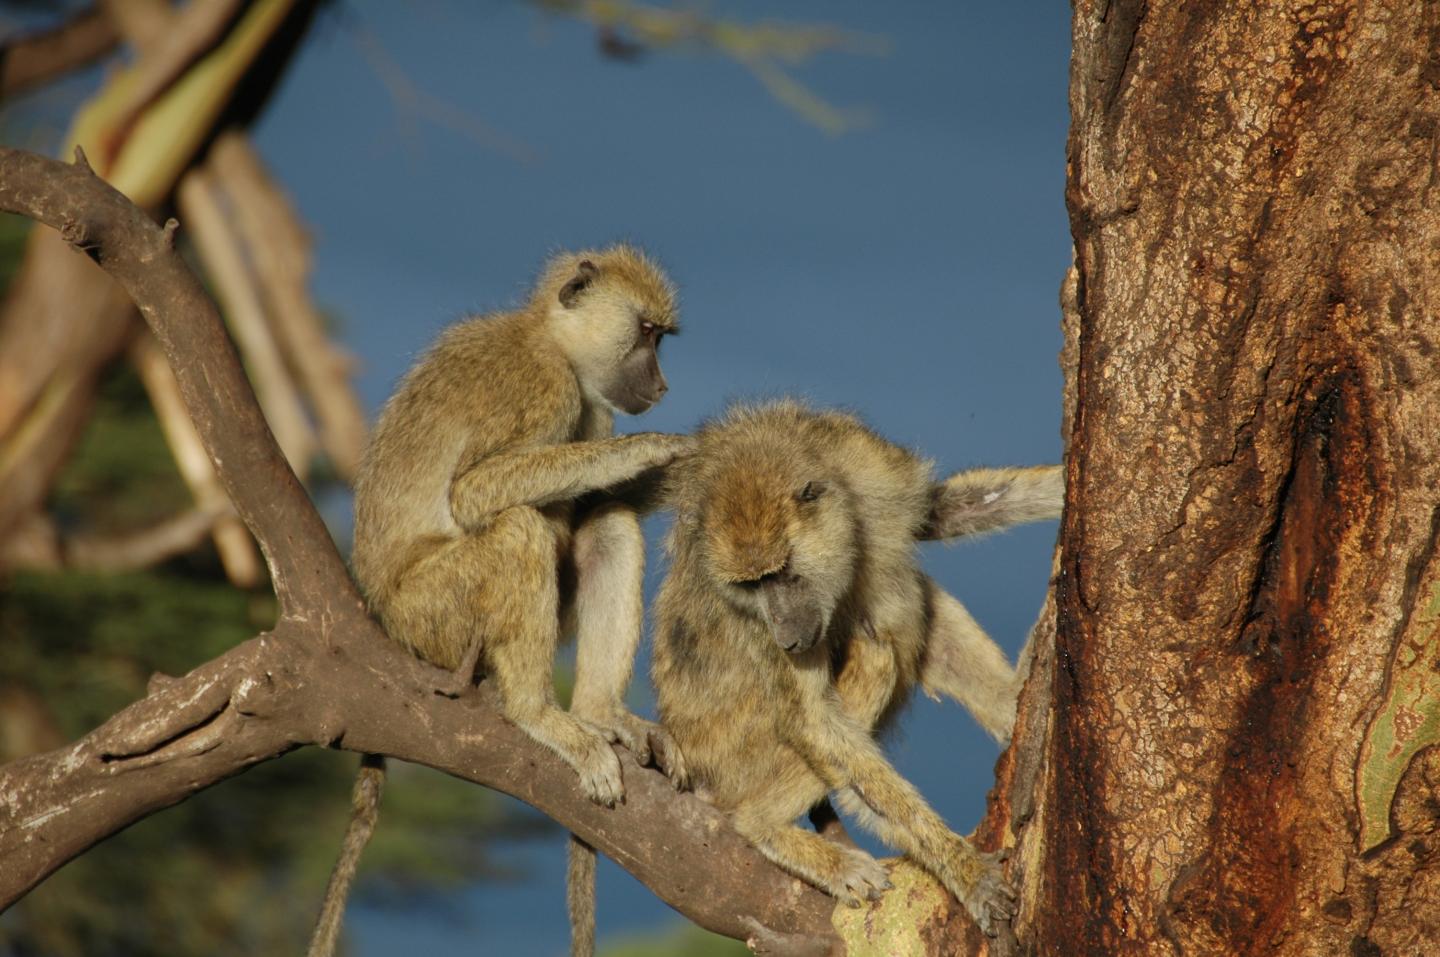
point(648, 741)
point(633, 731)
point(669, 758)
point(992, 899)
point(859, 879)
point(667, 448)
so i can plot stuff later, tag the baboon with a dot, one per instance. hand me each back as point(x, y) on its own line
point(481, 520)
point(795, 621)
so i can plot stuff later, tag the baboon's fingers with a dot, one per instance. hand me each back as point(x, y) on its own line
point(992, 899)
point(669, 758)
point(600, 778)
point(635, 735)
point(861, 878)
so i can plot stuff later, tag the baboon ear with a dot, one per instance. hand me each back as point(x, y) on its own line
point(585, 273)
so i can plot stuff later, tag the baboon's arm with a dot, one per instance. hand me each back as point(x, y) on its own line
point(978, 501)
point(541, 475)
point(964, 663)
point(899, 816)
point(846, 755)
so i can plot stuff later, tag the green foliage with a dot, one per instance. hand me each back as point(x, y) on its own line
point(689, 940)
point(13, 232)
point(121, 475)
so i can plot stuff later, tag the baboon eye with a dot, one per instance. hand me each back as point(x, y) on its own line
point(811, 491)
point(647, 328)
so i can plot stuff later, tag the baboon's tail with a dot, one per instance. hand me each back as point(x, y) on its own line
point(364, 810)
point(980, 501)
point(580, 896)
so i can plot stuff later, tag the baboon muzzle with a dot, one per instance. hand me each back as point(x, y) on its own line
point(791, 611)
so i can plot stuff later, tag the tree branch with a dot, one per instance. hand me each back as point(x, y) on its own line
point(35, 59)
point(359, 691)
point(39, 543)
point(187, 35)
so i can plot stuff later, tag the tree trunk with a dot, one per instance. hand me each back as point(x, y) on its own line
point(1246, 669)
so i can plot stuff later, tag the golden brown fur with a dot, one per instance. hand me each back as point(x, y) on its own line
point(795, 620)
point(480, 515)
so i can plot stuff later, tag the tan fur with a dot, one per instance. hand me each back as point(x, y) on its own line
point(767, 732)
point(480, 508)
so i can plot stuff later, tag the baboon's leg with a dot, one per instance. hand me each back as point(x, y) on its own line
point(513, 567)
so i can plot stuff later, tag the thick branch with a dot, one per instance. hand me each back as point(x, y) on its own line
point(362, 693)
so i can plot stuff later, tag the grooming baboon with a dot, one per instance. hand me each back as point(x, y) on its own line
point(467, 528)
point(795, 621)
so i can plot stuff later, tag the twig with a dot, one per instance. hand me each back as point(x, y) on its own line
point(39, 544)
point(232, 540)
point(408, 96)
point(760, 47)
point(36, 59)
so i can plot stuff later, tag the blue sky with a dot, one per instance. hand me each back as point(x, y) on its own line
point(908, 270)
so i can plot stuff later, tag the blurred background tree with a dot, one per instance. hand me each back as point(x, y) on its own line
point(109, 574)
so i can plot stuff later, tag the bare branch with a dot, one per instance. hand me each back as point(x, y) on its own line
point(36, 59)
point(168, 52)
point(216, 238)
point(141, 22)
point(232, 539)
point(38, 543)
point(63, 320)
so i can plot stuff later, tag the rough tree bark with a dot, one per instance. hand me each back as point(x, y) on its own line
point(1246, 670)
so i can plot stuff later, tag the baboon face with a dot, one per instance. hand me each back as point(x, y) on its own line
point(612, 323)
point(779, 537)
